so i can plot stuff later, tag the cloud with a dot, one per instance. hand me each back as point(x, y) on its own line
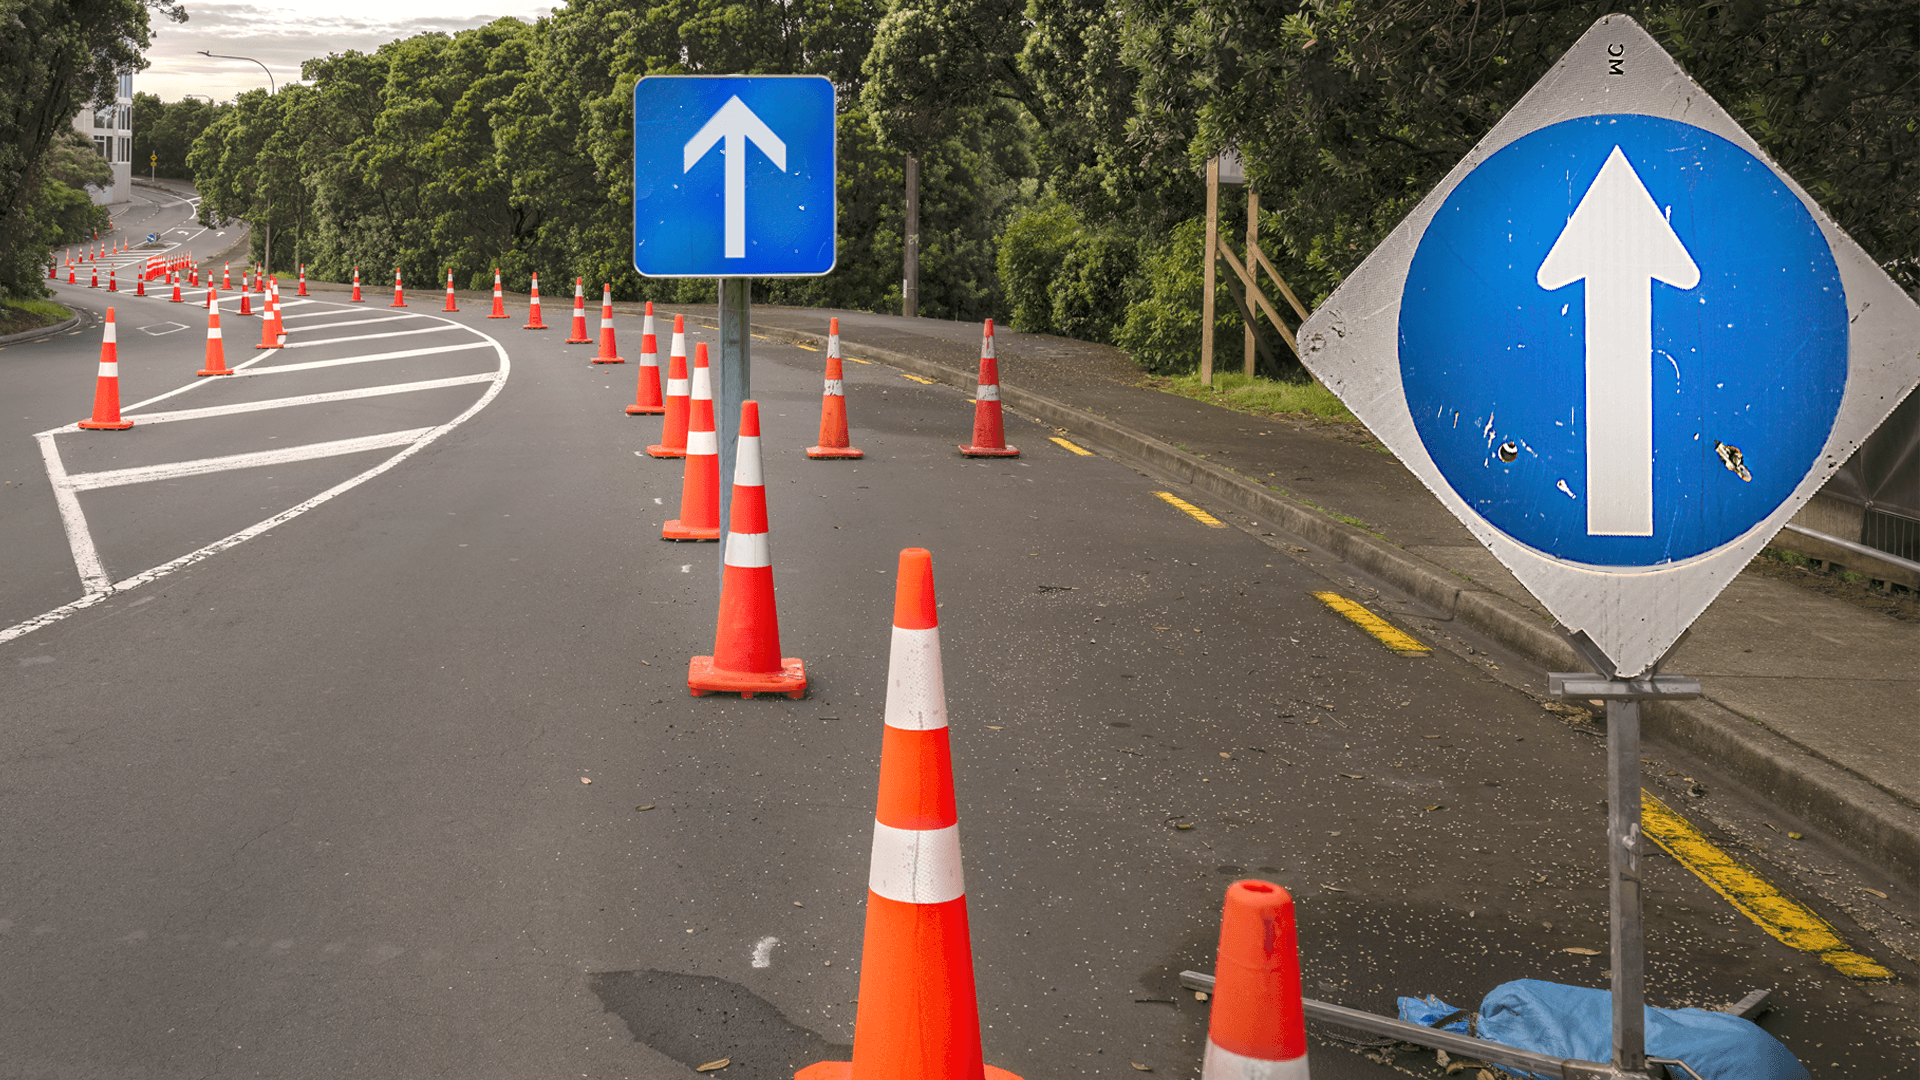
point(283, 37)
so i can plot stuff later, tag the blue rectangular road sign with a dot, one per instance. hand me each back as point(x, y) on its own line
point(733, 176)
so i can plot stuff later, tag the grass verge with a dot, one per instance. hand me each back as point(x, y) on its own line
point(20, 316)
point(1251, 394)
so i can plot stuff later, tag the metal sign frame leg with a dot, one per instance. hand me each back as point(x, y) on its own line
point(732, 384)
point(1627, 934)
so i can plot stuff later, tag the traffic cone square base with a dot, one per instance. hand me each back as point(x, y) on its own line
point(703, 679)
point(829, 452)
point(678, 530)
point(646, 410)
point(990, 451)
point(843, 1070)
point(93, 425)
point(659, 451)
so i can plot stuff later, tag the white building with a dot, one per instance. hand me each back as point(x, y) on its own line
point(111, 130)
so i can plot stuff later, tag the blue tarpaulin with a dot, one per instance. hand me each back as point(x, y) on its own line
point(1576, 1022)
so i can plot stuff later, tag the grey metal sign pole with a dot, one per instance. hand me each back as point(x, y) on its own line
point(732, 375)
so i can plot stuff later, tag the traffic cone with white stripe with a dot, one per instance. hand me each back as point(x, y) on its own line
point(499, 301)
point(303, 279)
point(673, 428)
point(71, 274)
point(451, 306)
point(579, 315)
point(53, 267)
point(356, 298)
point(833, 405)
point(646, 397)
point(139, 284)
point(399, 297)
point(700, 489)
point(95, 282)
point(175, 281)
point(226, 276)
point(246, 291)
point(279, 318)
point(216, 350)
point(746, 641)
point(269, 323)
point(533, 308)
point(919, 1016)
point(1258, 1030)
point(106, 388)
point(608, 354)
point(989, 432)
point(113, 279)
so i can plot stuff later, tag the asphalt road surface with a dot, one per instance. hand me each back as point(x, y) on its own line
point(313, 799)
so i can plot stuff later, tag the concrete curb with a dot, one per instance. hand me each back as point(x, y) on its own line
point(43, 332)
point(1868, 819)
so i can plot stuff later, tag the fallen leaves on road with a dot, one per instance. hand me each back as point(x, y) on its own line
point(1435, 806)
point(1352, 776)
point(1142, 1068)
point(1578, 951)
point(643, 809)
point(584, 780)
point(714, 1065)
point(1875, 892)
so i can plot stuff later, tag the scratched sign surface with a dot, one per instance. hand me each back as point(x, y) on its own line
point(1619, 344)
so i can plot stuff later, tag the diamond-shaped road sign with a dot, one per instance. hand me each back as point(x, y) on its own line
point(1619, 343)
point(733, 176)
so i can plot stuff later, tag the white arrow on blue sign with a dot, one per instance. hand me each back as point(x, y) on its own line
point(1619, 343)
point(733, 176)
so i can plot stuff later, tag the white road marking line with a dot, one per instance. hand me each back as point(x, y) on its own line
point(403, 354)
point(174, 470)
point(348, 311)
point(93, 576)
point(763, 951)
point(312, 399)
point(370, 337)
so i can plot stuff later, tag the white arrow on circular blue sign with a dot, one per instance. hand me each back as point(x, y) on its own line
point(1619, 343)
point(733, 176)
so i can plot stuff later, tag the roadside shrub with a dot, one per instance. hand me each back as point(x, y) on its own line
point(1162, 327)
point(1035, 243)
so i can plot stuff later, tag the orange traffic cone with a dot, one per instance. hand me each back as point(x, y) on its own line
point(95, 283)
point(579, 315)
point(608, 354)
point(71, 272)
point(260, 276)
point(833, 405)
point(139, 284)
point(673, 429)
point(303, 279)
point(226, 276)
point(533, 308)
point(246, 292)
point(1258, 1030)
point(746, 641)
point(113, 279)
point(216, 351)
point(989, 434)
point(357, 298)
point(269, 336)
point(451, 306)
point(646, 399)
point(700, 489)
point(176, 290)
point(399, 297)
point(193, 274)
point(499, 302)
point(106, 389)
point(919, 1016)
point(279, 318)
point(53, 267)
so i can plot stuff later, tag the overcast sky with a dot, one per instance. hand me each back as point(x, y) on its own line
point(282, 35)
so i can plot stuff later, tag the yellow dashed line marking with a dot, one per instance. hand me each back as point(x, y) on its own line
point(1781, 916)
point(1389, 635)
point(1191, 510)
point(809, 348)
point(1065, 445)
point(916, 378)
point(855, 360)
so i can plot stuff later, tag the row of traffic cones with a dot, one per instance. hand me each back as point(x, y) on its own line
point(106, 393)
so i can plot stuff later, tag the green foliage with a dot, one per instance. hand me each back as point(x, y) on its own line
point(1032, 248)
point(1062, 277)
point(1262, 396)
point(1162, 327)
point(167, 130)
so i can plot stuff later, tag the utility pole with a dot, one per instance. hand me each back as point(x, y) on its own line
point(910, 272)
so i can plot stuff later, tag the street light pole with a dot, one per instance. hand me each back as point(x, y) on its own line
point(271, 89)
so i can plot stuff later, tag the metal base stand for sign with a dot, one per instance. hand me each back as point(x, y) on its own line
point(1630, 1060)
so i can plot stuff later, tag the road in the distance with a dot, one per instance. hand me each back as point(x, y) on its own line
point(316, 806)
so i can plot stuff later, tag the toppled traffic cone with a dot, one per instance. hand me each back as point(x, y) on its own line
point(499, 302)
point(106, 388)
point(533, 308)
point(919, 1016)
point(451, 306)
point(356, 298)
point(673, 428)
point(1258, 1030)
point(216, 350)
point(608, 354)
point(989, 433)
point(700, 487)
point(646, 397)
point(399, 297)
point(303, 280)
point(833, 405)
point(579, 336)
point(746, 641)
